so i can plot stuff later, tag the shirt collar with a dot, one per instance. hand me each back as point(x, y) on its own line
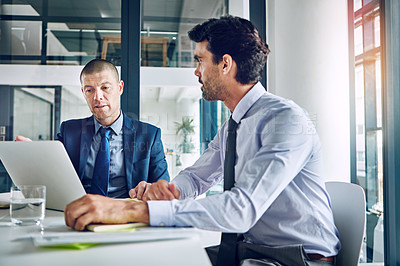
point(247, 101)
point(116, 126)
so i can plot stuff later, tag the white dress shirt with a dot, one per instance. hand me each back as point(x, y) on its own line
point(279, 196)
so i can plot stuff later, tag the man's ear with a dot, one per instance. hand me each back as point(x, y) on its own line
point(227, 63)
point(121, 86)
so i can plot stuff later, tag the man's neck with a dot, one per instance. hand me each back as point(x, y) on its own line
point(109, 122)
point(236, 93)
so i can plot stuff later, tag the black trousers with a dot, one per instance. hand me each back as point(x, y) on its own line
point(260, 255)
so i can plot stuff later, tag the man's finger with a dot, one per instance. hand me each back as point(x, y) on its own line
point(166, 193)
point(174, 191)
point(83, 221)
point(149, 195)
point(141, 188)
point(22, 138)
point(132, 193)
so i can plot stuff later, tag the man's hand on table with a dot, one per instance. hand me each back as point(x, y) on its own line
point(99, 209)
point(160, 190)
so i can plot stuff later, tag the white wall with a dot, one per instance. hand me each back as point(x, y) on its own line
point(309, 64)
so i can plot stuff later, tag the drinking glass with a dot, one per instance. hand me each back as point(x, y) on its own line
point(27, 204)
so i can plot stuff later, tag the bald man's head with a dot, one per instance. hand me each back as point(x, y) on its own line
point(98, 65)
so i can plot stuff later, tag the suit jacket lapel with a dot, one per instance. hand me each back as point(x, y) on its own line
point(129, 139)
point(86, 142)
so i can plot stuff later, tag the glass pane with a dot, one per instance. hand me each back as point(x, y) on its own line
point(20, 62)
point(357, 5)
point(85, 41)
point(370, 95)
point(367, 2)
point(33, 113)
point(169, 108)
point(78, 8)
point(20, 37)
point(22, 8)
point(165, 27)
point(360, 124)
point(358, 40)
point(378, 86)
point(379, 204)
point(164, 44)
point(73, 104)
point(369, 35)
point(377, 36)
point(378, 246)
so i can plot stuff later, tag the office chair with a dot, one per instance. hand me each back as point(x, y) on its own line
point(348, 206)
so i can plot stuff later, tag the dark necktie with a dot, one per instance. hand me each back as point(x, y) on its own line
point(102, 165)
point(227, 248)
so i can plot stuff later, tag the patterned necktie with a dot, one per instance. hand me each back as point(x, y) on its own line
point(227, 248)
point(102, 165)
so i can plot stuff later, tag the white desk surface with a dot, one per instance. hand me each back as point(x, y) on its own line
point(168, 252)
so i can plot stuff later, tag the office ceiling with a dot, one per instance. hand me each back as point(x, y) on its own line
point(158, 15)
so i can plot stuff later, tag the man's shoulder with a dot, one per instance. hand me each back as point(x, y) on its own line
point(138, 125)
point(272, 103)
point(77, 121)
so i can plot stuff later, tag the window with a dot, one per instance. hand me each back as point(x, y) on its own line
point(368, 119)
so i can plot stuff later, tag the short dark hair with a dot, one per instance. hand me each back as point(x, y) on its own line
point(240, 39)
point(98, 65)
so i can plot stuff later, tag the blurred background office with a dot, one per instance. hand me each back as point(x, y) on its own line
point(329, 56)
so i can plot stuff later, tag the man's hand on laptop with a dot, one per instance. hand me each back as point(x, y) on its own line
point(99, 209)
point(22, 138)
point(160, 190)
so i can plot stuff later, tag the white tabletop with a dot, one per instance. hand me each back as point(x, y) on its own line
point(18, 249)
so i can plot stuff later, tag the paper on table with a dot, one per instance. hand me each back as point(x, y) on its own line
point(139, 235)
point(114, 227)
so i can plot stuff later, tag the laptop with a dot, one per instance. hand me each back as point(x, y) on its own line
point(43, 163)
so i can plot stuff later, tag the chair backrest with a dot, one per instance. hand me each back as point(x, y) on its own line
point(348, 206)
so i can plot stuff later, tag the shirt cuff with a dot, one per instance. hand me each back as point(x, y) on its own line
point(160, 212)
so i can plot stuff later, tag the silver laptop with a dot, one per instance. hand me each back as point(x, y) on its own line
point(43, 163)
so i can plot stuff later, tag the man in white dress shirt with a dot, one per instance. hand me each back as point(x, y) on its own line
point(278, 201)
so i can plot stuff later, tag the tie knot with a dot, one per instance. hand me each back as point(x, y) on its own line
point(232, 125)
point(105, 132)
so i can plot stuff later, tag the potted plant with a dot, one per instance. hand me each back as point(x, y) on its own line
point(185, 128)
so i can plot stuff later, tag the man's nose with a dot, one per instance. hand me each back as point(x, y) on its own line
point(98, 95)
point(197, 72)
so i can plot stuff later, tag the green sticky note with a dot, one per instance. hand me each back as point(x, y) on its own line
point(77, 246)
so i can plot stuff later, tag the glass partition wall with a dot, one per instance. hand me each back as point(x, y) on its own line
point(45, 43)
point(173, 101)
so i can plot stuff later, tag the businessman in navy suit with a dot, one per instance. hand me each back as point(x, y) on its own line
point(135, 149)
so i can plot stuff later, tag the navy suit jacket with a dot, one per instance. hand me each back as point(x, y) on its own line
point(143, 150)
